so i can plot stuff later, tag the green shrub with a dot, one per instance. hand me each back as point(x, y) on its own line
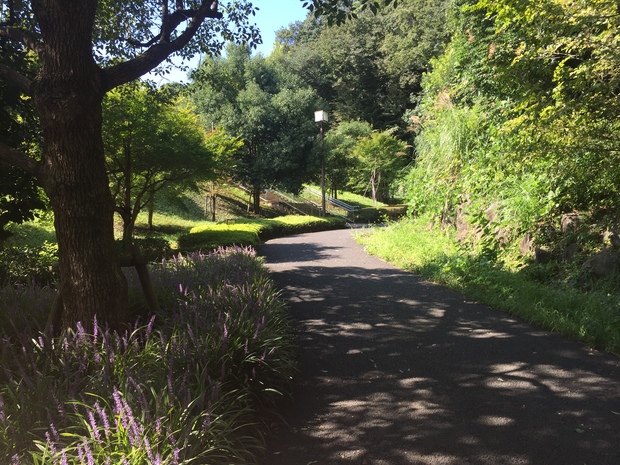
point(208, 239)
point(28, 264)
point(151, 248)
point(380, 214)
point(247, 231)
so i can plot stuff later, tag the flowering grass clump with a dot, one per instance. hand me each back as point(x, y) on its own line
point(184, 386)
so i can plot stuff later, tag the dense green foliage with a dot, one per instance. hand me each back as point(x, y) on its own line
point(520, 114)
point(370, 67)
point(493, 119)
point(20, 196)
point(152, 141)
point(259, 101)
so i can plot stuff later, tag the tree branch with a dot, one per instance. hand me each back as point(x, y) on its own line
point(16, 79)
point(19, 159)
point(30, 40)
point(169, 23)
point(157, 53)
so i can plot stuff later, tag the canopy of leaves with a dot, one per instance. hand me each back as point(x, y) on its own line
point(151, 142)
point(19, 194)
point(341, 142)
point(379, 159)
point(259, 101)
point(368, 68)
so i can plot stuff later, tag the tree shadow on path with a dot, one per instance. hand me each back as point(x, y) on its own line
point(395, 370)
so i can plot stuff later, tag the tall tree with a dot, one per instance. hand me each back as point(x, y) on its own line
point(150, 143)
point(370, 67)
point(85, 49)
point(380, 157)
point(226, 150)
point(341, 142)
point(262, 103)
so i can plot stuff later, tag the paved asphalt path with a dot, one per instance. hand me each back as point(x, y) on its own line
point(397, 371)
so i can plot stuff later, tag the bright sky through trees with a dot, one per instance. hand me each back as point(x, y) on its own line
point(271, 16)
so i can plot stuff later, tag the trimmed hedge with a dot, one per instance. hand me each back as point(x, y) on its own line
point(252, 231)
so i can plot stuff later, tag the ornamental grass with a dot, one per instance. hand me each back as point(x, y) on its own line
point(193, 384)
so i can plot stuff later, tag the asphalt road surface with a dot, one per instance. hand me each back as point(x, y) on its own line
point(396, 371)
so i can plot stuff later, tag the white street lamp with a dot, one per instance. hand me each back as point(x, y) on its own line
point(320, 116)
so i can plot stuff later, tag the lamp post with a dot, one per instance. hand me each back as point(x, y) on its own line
point(321, 117)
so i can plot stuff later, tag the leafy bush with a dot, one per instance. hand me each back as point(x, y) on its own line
point(217, 236)
point(27, 264)
point(251, 231)
point(151, 248)
point(183, 387)
point(381, 214)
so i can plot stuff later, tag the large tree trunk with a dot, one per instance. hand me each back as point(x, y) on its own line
point(68, 93)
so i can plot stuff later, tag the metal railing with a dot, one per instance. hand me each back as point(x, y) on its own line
point(336, 204)
point(304, 206)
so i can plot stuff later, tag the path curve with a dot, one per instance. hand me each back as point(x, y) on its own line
point(397, 371)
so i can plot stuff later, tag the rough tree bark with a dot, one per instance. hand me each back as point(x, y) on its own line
point(67, 94)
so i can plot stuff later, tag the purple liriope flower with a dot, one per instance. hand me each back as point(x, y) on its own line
point(63, 458)
point(149, 328)
point(95, 330)
point(175, 456)
point(134, 429)
point(94, 426)
point(118, 405)
point(80, 332)
point(2, 414)
point(15, 460)
point(80, 453)
point(149, 451)
point(54, 431)
point(50, 443)
point(104, 419)
point(90, 460)
point(169, 384)
point(191, 335)
point(125, 341)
